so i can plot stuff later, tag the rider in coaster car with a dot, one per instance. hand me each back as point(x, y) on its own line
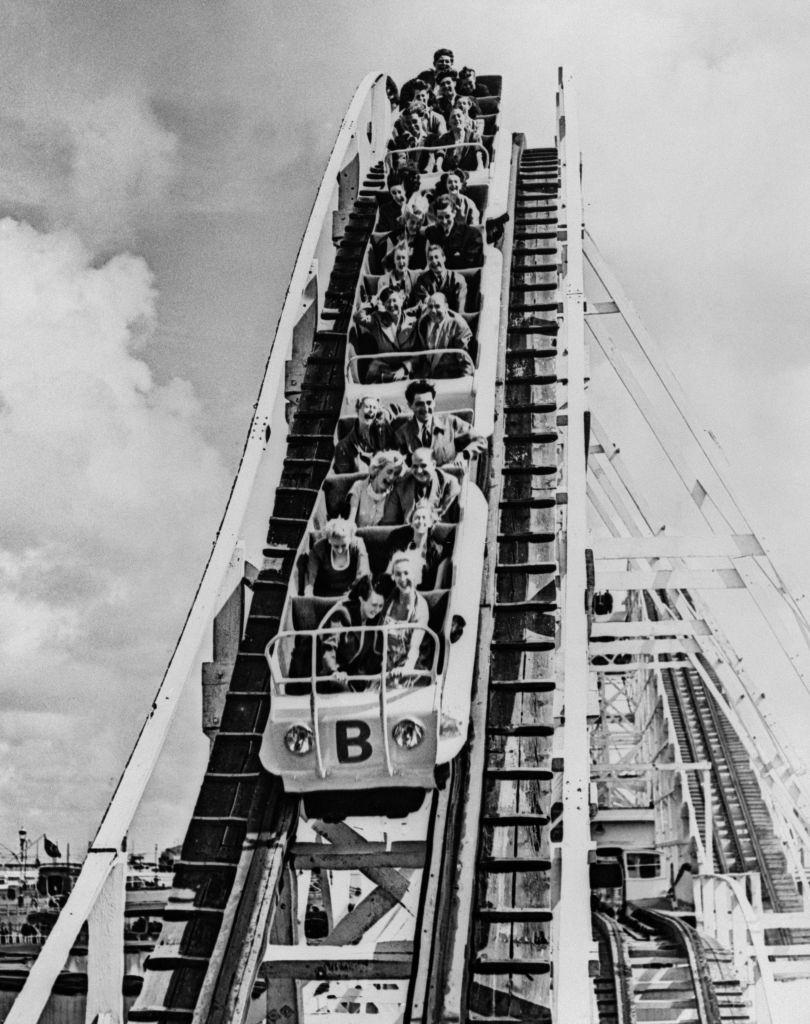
point(335, 561)
point(449, 438)
point(350, 651)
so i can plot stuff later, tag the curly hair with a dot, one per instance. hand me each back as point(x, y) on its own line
point(339, 529)
point(382, 460)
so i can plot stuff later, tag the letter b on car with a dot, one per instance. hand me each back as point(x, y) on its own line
point(351, 741)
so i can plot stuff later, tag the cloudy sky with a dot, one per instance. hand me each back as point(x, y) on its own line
point(157, 165)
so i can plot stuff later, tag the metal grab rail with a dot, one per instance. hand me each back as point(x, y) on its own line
point(480, 151)
point(388, 677)
point(273, 656)
point(352, 369)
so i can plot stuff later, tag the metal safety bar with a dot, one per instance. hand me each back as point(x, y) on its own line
point(439, 151)
point(351, 364)
point(279, 678)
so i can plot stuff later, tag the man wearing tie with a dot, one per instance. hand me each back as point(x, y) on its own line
point(450, 438)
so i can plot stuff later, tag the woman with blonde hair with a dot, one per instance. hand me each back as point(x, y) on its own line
point(409, 232)
point(335, 561)
point(419, 535)
point(367, 497)
point(405, 607)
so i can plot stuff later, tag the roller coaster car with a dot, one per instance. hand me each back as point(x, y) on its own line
point(391, 731)
point(388, 731)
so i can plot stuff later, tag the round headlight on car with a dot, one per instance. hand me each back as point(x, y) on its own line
point(408, 734)
point(299, 739)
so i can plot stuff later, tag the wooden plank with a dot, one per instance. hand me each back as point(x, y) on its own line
point(572, 990)
point(385, 960)
point(374, 855)
point(389, 878)
point(730, 545)
point(356, 923)
point(635, 666)
point(668, 627)
point(671, 579)
point(656, 645)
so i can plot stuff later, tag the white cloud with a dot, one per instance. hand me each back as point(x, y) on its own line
point(109, 500)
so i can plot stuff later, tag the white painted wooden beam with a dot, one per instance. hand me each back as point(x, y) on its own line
point(382, 960)
point(652, 646)
point(732, 545)
point(667, 627)
point(105, 949)
point(572, 934)
point(671, 579)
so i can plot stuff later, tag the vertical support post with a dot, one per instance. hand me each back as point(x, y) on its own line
point(105, 949)
point(709, 824)
point(571, 956)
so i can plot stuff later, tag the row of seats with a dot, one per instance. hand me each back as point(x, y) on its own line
point(472, 277)
point(306, 613)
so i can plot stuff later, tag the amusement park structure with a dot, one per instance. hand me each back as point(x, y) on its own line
point(579, 809)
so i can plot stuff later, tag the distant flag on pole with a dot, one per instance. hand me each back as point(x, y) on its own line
point(51, 849)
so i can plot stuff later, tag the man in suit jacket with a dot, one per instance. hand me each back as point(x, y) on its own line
point(437, 278)
point(449, 437)
point(440, 329)
point(423, 482)
point(462, 244)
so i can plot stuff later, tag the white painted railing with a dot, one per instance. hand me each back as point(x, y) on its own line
point(729, 909)
point(572, 988)
point(98, 895)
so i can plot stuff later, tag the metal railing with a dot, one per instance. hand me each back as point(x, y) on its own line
point(275, 657)
point(434, 155)
point(389, 677)
point(405, 359)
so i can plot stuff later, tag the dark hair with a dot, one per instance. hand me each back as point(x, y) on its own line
point(410, 89)
point(407, 175)
point(391, 91)
point(466, 71)
point(448, 73)
point(443, 52)
point(386, 293)
point(441, 188)
point(418, 387)
point(361, 589)
point(444, 202)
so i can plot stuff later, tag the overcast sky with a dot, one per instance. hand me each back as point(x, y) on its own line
point(157, 166)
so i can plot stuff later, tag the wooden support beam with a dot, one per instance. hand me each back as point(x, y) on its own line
point(656, 645)
point(601, 308)
point(671, 579)
point(373, 855)
point(638, 628)
point(636, 666)
point(105, 948)
point(381, 961)
point(351, 928)
point(388, 877)
point(730, 545)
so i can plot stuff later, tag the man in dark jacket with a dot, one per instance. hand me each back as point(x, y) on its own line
point(462, 244)
point(468, 86)
point(450, 438)
point(442, 61)
point(437, 278)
